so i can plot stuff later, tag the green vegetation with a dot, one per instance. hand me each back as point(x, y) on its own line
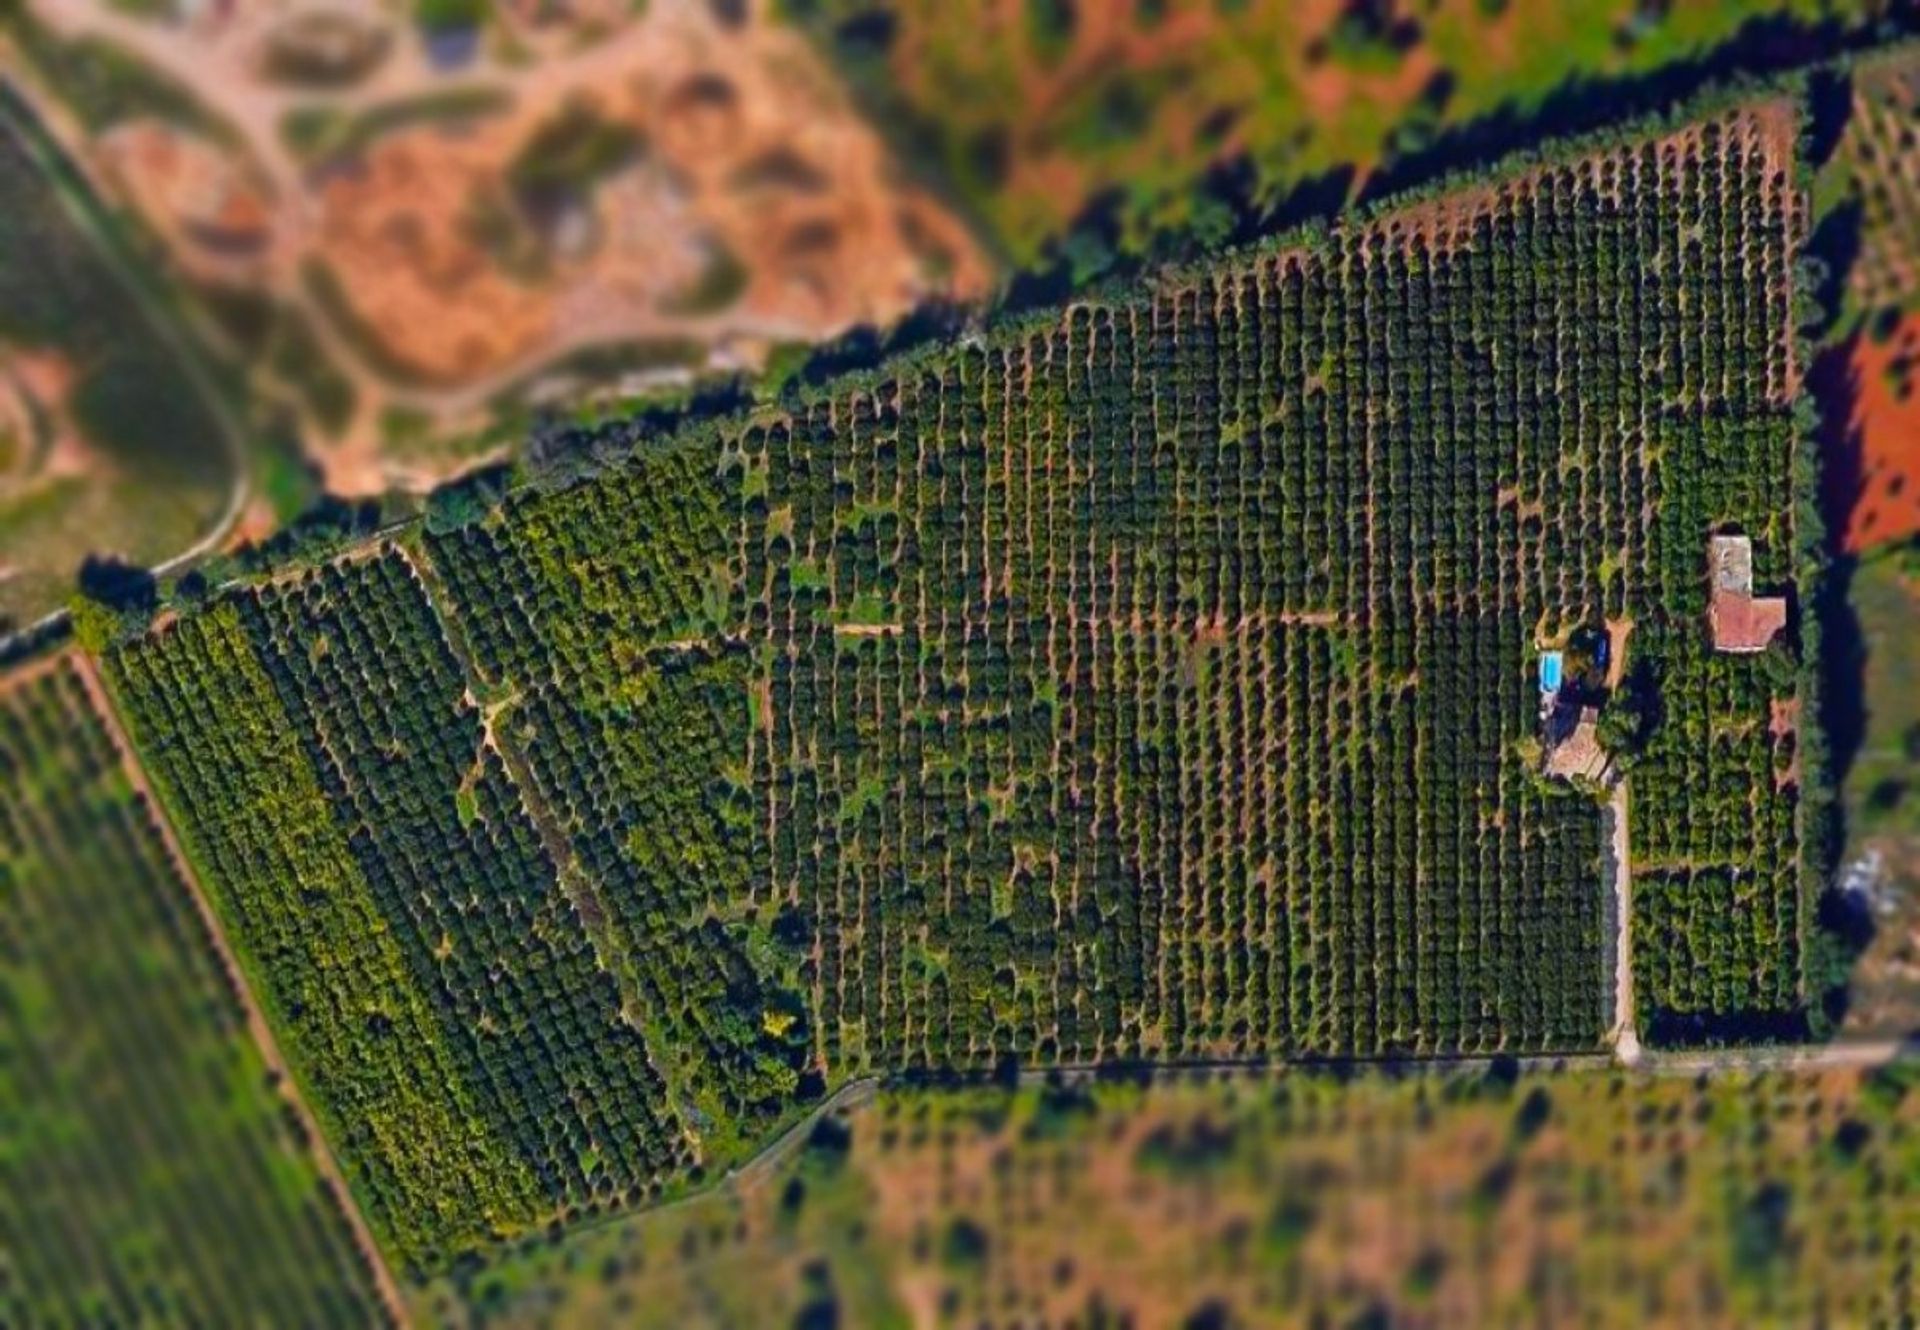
point(451, 16)
point(1883, 783)
point(1152, 679)
point(318, 133)
point(105, 85)
point(1876, 166)
point(278, 337)
point(297, 359)
point(722, 281)
point(130, 396)
point(432, 975)
point(1307, 1201)
point(152, 1174)
point(374, 1055)
point(59, 291)
point(568, 155)
point(1132, 698)
point(1030, 122)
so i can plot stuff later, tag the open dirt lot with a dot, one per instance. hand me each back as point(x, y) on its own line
point(428, 224)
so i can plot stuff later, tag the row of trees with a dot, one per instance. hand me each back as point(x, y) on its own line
point(454, 863)
point(152, 1172)
point(374, 1056)
point(1151, 681)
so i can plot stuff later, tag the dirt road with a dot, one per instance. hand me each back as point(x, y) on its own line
point(1624, 1037)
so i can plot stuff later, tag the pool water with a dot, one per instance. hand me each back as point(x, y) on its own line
point(1550, 672)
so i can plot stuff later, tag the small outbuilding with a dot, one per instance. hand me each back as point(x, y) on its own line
point(1741, 621)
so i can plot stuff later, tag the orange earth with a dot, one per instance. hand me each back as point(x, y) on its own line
point(1879, 466)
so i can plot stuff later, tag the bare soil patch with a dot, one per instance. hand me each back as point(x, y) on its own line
point(1886, 421)
point(451, 240)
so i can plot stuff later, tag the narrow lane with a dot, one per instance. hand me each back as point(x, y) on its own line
point(1624, 1036)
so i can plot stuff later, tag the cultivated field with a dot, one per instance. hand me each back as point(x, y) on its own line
point(153, 1174)
point(1596, 1198)
point(1153, 679)
point(1880, 152)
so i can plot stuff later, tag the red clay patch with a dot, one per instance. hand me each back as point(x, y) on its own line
point(1875, 488)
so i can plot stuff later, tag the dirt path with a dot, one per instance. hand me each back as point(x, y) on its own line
point(1789, 1057)
point(330, 1172)
point(612, 954)
point(223, 77)
point(1624, 1037)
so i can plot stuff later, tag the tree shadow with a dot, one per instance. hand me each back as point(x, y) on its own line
point(1834, 382)
point(1761, 48)
point(1232, 205)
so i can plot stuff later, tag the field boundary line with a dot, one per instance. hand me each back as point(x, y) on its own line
point(864, 1089)
point(385, 1287)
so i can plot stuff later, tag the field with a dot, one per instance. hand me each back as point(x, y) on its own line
point(429, 972)
point(410, 251)
point(153, 1173)
point(1596, 1198)
point(105, 445)
point(1882, 791)
point(1137, 682)
point(1880, 154)
point(1036, 112)
point(1871, 389)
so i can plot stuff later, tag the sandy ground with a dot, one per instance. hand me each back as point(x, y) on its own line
point(43, 445)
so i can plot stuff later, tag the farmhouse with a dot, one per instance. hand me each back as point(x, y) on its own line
point(1573, 743)
point(1742, 622)
point(1569, 727)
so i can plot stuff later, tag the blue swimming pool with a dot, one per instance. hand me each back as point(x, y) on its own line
point(1550, 671)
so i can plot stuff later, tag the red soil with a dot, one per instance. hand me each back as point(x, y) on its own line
point(1875, 493)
